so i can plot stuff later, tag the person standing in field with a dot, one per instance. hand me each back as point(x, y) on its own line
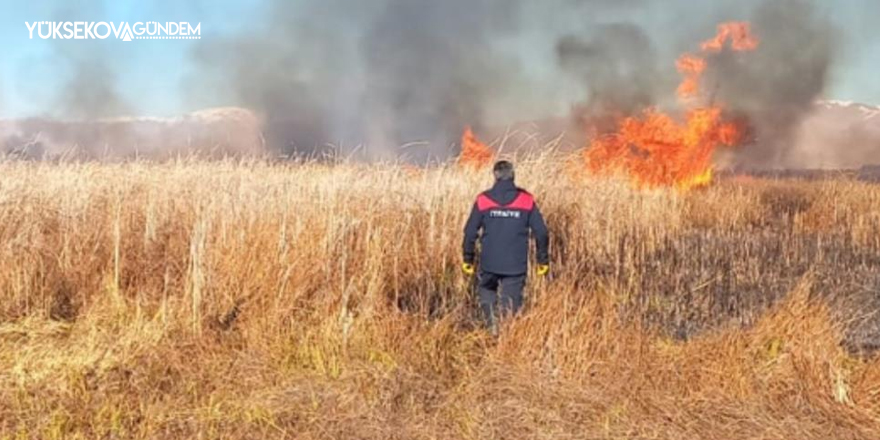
point(504, 214)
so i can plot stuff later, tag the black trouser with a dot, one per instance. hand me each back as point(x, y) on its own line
point(511, 298)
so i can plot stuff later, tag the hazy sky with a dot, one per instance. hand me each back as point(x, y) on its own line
point(153, 76)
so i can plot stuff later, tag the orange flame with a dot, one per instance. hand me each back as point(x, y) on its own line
point(691, 68)
point(739, 34)
point(655, 149)
point(473, 152)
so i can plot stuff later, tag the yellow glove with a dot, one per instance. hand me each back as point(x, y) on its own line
point(467, 268)
point(543, 269)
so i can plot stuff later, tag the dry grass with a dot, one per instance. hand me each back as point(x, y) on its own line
point(251, 300)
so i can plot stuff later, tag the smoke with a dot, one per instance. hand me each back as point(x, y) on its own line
point(433, 70)
point(402, 78)
point(776, 86)
point(619, 67)
point(384, 74)
point(286, 69)
point(90, 90)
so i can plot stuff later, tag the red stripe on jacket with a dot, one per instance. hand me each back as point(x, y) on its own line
point(523, 201)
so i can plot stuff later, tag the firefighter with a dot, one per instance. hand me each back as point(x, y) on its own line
point(505, 214)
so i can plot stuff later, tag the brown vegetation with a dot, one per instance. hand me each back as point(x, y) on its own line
point(253, 300)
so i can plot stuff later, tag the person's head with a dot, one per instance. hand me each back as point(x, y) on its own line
point(503, 170)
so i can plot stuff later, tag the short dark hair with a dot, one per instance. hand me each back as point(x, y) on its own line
point(503, 170)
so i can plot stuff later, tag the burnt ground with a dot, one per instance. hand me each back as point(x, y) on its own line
point(868, 173)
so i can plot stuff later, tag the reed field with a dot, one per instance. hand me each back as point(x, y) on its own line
point(308, 300)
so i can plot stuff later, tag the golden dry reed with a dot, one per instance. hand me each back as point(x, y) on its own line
point(246, 300)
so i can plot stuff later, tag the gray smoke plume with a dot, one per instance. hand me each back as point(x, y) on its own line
point(391, 73)
point(776, 86)
point(287, 69)
point(619, 67)
point(384, 74)
point(373, 76)
point(432, 70)
point(91, 87)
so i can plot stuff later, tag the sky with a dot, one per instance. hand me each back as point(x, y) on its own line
point(155, 77)
point(153, 72)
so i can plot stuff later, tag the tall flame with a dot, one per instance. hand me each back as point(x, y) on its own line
point(473, 152)
point(655, 149)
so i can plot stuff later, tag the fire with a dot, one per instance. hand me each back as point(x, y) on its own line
point(697, 181)
point(657, 150)
point(473, 152)
point(737, 32)
point(691, 68)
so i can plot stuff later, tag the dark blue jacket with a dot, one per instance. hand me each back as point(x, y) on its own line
point(505, 214)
